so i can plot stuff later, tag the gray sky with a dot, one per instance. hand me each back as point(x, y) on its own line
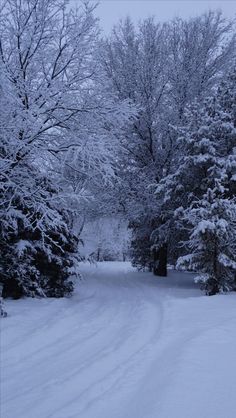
point(110, 11)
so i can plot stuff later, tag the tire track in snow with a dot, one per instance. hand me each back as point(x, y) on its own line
point(96, 350)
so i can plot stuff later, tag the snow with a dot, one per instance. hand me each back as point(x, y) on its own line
point(22, 246)
point(126, 345)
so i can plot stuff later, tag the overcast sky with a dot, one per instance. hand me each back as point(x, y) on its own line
point(110, 11)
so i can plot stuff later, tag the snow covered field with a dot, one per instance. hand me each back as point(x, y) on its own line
point(126, 345)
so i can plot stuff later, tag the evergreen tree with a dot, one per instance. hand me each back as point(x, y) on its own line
point(212, 241)
point(141, 243)
point(38, 249)
point(211, 211)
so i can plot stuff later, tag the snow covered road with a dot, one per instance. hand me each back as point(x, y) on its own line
point(126, 345)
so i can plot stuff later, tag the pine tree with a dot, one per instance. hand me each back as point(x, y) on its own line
point(212, 241)
point(211, 214)
point(38, 249)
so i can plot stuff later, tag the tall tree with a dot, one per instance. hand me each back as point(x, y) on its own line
point(58, 120)
point(162, 69)
point(211, 212)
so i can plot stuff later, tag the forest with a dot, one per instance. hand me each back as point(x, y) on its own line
point(139, 124)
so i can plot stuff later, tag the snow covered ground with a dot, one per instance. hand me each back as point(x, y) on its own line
point(126, 345)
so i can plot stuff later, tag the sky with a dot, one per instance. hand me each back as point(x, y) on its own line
point(110, 11)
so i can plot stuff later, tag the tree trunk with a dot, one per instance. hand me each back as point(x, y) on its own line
point(160, 261)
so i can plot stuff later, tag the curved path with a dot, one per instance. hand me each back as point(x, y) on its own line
point(126, 345)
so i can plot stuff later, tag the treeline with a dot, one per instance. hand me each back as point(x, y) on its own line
point(142, 124)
